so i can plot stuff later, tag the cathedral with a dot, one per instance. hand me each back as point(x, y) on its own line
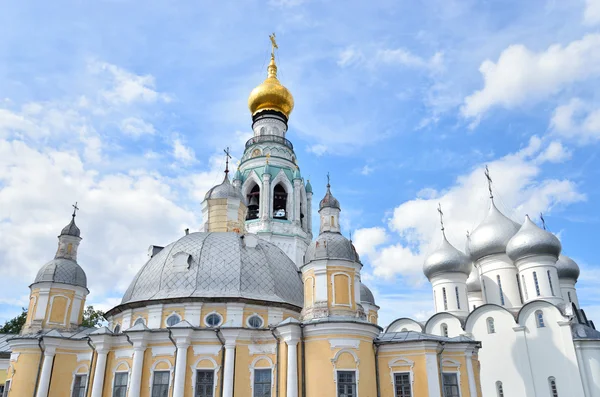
point(252, 304)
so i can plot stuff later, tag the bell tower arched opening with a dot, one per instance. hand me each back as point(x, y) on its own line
point(280, 202)
point(253, 199)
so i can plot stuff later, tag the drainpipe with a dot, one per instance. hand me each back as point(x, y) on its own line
point(37, 377)
point(439, 360)
point(87, 387)
point(303, 360)
point(175, 355)
point(376, 349)
point(218, 332)
point(276, 361)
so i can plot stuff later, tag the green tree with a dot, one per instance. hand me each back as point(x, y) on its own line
point(91, 317)
point(14, 325)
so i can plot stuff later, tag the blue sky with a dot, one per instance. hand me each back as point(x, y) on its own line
point(126, 106)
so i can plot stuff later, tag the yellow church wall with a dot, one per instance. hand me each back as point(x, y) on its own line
point(309, 291)
point(59, 308)
point(419, 371)
point(283, 352)
point(242, 368)
point(167, 311)
point(216, 308)
point(24, 372)
point(261, 311)
point(62, 374)
point(3, 376)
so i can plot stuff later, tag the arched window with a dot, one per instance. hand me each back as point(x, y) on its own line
point(457, 298)
point(279, 202)
point(403, 330)
point(525, 287)
point(435, 300)
point(253, 199)
point(255, 321)
point(117, 329)
point(550, 282)
point(490, 325)
point(213, 320)
point(569, 295)
point(332, 223)
point(445, 298)
point(173, 319)
point(552, 384)
point(539, 318)
point(500, 289)
point(499, 389)
point(140, 320)
point(537, 284)
point(444, 329)
point(519, 287)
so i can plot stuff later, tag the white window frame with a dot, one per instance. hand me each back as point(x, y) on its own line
point(346, 370)
point(213, 326)
point(216, 368)
point(171, 315)
point(255, 315)
point(75, 373)
point(153, 369)
point(401, 362)
point(334, 361)
point(253, 368)
point(537, 319)
point(128, 371)
point(454, 369)
point(491, 325)
point(350, 294)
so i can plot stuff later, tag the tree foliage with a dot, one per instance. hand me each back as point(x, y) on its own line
point(91, 318)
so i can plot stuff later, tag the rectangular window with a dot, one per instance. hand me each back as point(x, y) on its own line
point(435, 300)
point(500, 288)
point(525, 287)
point(205, 383)
point(346, 384)
point(569, 295)
point(402, 385)
point(450, 383)
point(445, 298)
point(519, 287)
point(79, 386)
point(262, 382)
point(160, 384)
point(537, 285)
point(457, 298)
point(120, 386)
point(550, 282)
point(6, 388)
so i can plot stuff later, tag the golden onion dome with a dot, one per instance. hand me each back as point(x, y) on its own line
point(271, 94)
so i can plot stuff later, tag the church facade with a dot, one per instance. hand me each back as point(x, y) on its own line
point(253, 305)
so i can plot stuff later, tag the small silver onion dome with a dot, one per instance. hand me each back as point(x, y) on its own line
point(366, 295)
point(446, 259)
point(492, 235)
point(329, 200)
point(331, 245)
point(225, 190)
point(532, 240)
point(567, 268)
point(474, 282)
point(62, 270)
point(71, 229)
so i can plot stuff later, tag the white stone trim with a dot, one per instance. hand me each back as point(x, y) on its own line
point(163, 351)
point(206, 349)
point(83, 357)
point(344, 342)
point(14, 357)
point(333, 302)
point(455, 368)
point(252, 369)
point(404, 362)
point(215, 368)
point(255, 349)
point(153, 369)
point(124, 353)
point(335, 369)
point(66, 309)
point(139, 318)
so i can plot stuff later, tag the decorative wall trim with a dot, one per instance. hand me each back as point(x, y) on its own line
point(215, 368)
point(124, 353)
point(206, 349)
point(163, 351)
point(344, 343)
point(267, 348)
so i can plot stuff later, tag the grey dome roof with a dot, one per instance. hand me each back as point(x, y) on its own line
point(71, 229)
point(492, 235)
point(331, 245)
point(366, 295)
point(446, 259)
point(567, 268)
point(474, 282)
point(219, 265)
point(532, 240)
point(329, 200)
point(224, 190)
point(61, 270)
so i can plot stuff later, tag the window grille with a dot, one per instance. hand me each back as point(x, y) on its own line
point(402, 386)
point(120, 385)
point(445, 298)
point(205, 383)
point(262, 382)
point(160, 384)
point(79, 386)
point(346, 384)
point(457, 298)
point(539, 316)
point(450, 383)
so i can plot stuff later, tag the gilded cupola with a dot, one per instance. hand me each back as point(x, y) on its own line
point(271, 94)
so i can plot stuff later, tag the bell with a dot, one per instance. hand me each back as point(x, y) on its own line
point(253, 201)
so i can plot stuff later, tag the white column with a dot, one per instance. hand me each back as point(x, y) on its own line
point(99, 373)
point(292, 368)
point(180, 368)
point(46, 372)
point(228, 369)
point(136, 370)
point(433, 375)
point(265, 197)
point(471, 374)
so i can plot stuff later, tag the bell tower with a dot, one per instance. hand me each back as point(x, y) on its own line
point(269, 177)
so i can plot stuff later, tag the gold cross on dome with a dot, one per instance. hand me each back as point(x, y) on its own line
point(273, 44)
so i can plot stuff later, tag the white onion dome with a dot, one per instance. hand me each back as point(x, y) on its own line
point(62, 270)
point(225, 190)
point(532, 240)
point(474, 282)
point(331, 245)
point(71, 229)
point(492, 235)
point(567, 268)
point(446, 259)
point(218, 267)
point(366, 295)
point(329, 200)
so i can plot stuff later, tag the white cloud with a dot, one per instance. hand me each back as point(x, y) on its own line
point(352, 56)
point(183, 153)
point(368, 239)
point(349, 56)
point(318, 149)
point(367, 169)
point(591, 15)
point(577, 120)
point(286, 3)
point(413, 229)
point(136, 127)
point(555, 152)
point(522, 76)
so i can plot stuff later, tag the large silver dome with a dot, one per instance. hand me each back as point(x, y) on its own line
point(474, 282)
point(532, 240)
point(446, 259)
point(366, 295)
point(61, 270)
point(567, 268)
point(218, 265)
point(224, 190)
point(331, 245)
point(492, 235)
